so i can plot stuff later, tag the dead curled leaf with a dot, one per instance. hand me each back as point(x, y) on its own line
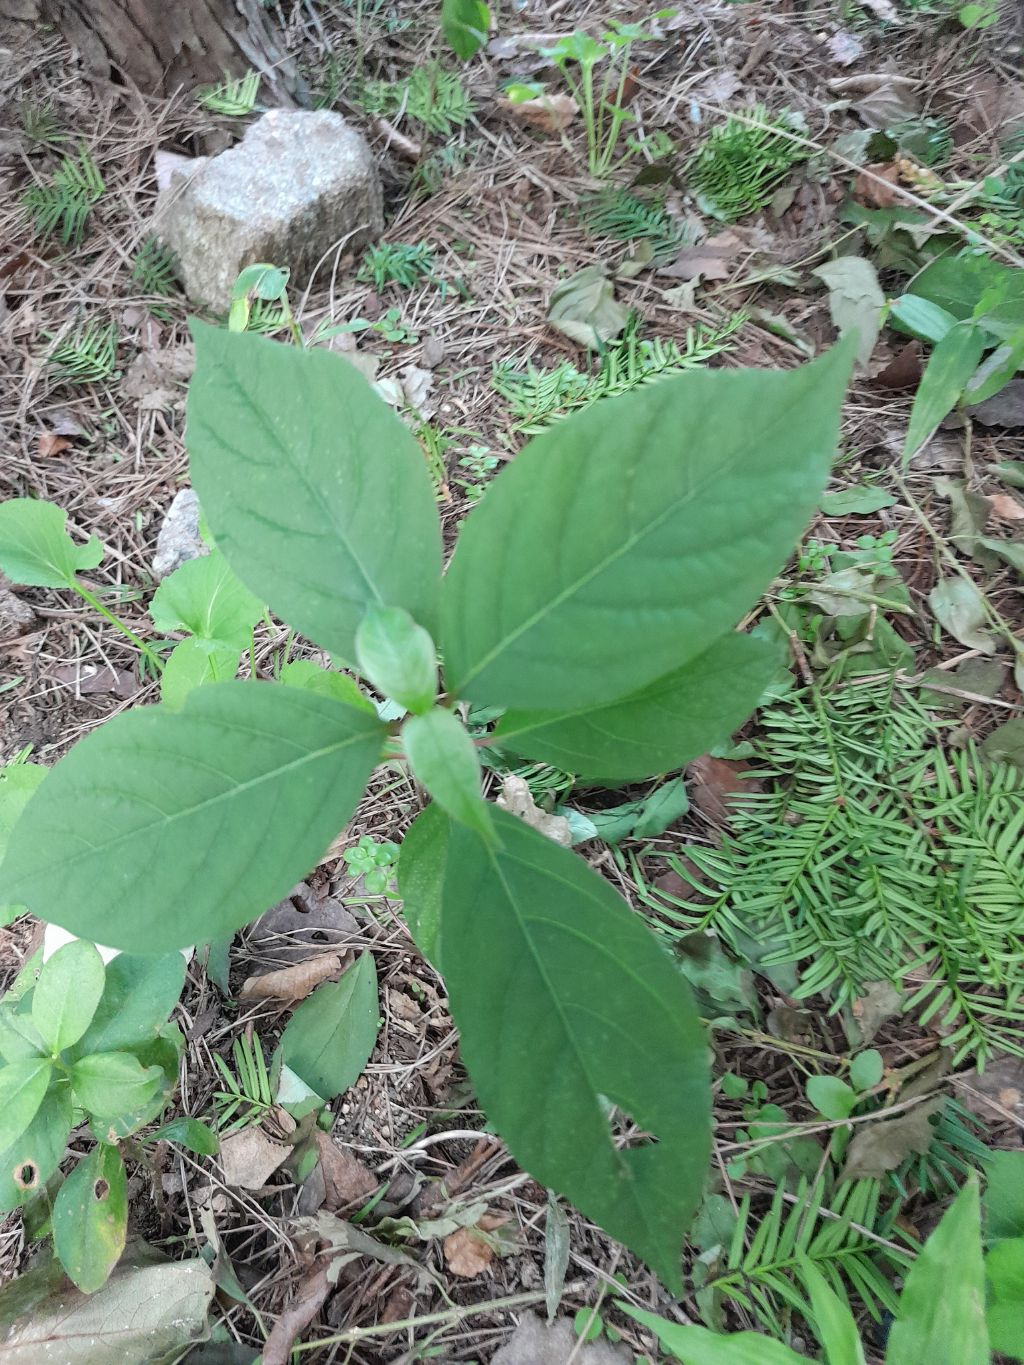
point(714, 783)
point(549, 113)
point(585, 309)
point(880, 98)
point(291, 984)
point(346, 1180)
point(517, 800)
point(875, 186)
point(468, 1251)
point(880, 1147)
point(51, 444)
point(710, 260)
point(1005, 507)
point(249, 1158)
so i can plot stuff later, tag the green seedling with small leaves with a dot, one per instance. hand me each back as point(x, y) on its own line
point(235, 97)
point(374, 862)
point(970, 309)
point(88, 355)
point(591, 604)
point(87, 1044)
point(402, 263)
point(742, 162)
point(62, 206)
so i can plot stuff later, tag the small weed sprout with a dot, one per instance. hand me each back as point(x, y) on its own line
point(62, 206)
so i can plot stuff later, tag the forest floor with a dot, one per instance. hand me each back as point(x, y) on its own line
point(901, 137)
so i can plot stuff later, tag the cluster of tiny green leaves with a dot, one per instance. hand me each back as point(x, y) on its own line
point(741, 163)
point(430, 95)
point(61, 206)
point(588, 604)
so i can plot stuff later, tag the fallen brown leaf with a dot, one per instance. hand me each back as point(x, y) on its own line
point(249, 1158)
point(549, 113)
point(51, 444)
point(1005, 507)
point(297, 1315)
point(715, 782)
point(904, 370)
point(292, 984)
point(709, 260)
point(467, 1253)
point(89, 678)
point(346, 1180)
point(880, 98)
point(1003, 409)
point(876, 184)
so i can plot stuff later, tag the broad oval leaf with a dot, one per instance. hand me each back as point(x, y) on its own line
point(960, 283)
point(165, 829)
point(327, 682)
point(921, 318)
point(445, 760)
point(22, 1087)
point(626, 539)
point(317, 494)
point(66, 995)
point(90, 1217)
point(35, 548)
point(328, 1040)
point(190, 1133)
point(111, 1084)
point(32, 1158)
point(204, 597)
point(941, 1316)
point(661, 727)
point(195, 663)
point(465, 24)
point(398, 657)
point(138, 996)
point(567, 1003)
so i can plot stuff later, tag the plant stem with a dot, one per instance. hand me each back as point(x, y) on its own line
point(448, 1315)
point(97, 605)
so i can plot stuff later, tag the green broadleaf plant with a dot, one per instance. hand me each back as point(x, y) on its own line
point(604, 571)
point(86, 1042)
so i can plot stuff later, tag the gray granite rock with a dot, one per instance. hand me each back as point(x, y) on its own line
point(300, 183)
point(179, 538)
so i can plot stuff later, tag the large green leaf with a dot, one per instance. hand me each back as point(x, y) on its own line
point(35, 548)
point(465, 24)
point(960, 283)
point(1004, 1269)
point(941, 1318)
point(623, 541)
point(421, 876)
point(110, 1084)
point(195, 663)
point(316, 492)
point(32, 1158)
point(567, 1004)
point(329, 1038)
point(204, 597)
point(22, 1087)
point(661, 727)
point(138, 996)
point(90, 1217)
point(165, 829)
point(67, 993)
point(950, 366)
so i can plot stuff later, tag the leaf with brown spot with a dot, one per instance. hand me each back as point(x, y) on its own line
point(291, 984)
point(346, 1180)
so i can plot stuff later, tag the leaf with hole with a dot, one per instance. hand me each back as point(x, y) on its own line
point(660, 727)
point(67, 993)
point(193, 797)
point(90, 1217)
point(444, 759)
point(109, 1084)
point(22, 1087)
point(398, 657)
point(27, 1164)
point(942, 1314)
point(278, 438)
point(328, 1040)
point(558, 990)
point(204, 598)
point(595, 563)
point(35, 548)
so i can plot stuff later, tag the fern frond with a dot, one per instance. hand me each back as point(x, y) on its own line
point(234, 97)
point(64, 204)
point(87, 356)
point(742, 162)
point(618, 213)
point(402, 263)
point(155, 268)
point(870, 856)
point(847, 1237)
point(537, 397)
point(432, 96)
